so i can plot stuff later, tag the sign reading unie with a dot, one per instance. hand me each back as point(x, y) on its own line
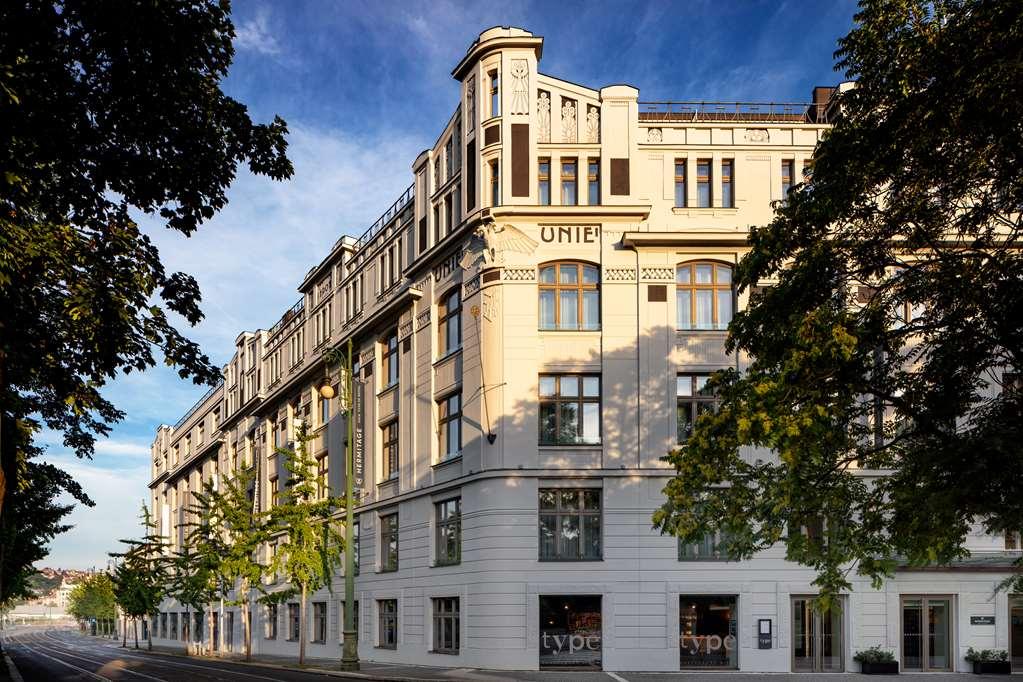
point(570, 234)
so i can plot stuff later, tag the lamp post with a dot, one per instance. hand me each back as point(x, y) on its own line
point(343, 361)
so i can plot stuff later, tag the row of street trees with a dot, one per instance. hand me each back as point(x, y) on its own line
point(218, 563)
point(92, 600)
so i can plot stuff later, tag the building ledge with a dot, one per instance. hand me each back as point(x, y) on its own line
point(628, 211)
point(639, 240)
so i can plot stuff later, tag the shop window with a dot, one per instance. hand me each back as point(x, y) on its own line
point(927, 633)
point(569, 296)
point(708, 632)
point(570, 632)
point(570, 524)
point(703, 296)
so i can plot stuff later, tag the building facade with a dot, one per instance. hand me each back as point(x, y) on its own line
point(534, 321)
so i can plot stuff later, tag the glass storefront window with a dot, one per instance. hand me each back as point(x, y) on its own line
point(570, 631)
point(708, 630)
point(926, 633)
point(1016, 633)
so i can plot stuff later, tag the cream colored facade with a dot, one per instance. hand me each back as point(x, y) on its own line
point(473, 223)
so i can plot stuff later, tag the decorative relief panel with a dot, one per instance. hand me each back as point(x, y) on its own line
point(592, 124)
point(472, 286)
point(654, 135)
point(657, 274)
point(421, 284)
point(520, 86)
point(543, 116)
point(758, 135)
point(404, 329)
point(366, 357)
point(619, 274)
point(423, 320)
point(519, 274)
point(569, 127)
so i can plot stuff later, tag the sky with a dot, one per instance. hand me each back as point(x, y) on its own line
point(364, 87)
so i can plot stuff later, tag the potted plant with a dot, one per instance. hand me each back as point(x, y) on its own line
point(989, 661)
point(877, 661)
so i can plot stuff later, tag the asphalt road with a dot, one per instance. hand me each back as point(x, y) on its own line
point(60, 655)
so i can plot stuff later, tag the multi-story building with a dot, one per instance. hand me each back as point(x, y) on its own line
point(534, 321)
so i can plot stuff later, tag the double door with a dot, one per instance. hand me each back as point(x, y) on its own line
point(817, 638)
point(927, 633)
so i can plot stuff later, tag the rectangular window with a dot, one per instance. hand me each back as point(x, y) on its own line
point(708, 625)
point(389, 542)
point(449, 426)
point(449, 218)
point(543, 178)
point(322, 490)
point(693, 398)
point(569, 409)
point(495, 93)
point(449, 532)
point(593, 182)
point(787, 179)
point(436, 224)
point(389, 432)
point(727, 183)
point(495, 184)
point(319, 622)
point(449, 313)
point(388, 633)
point(570, 524)
point(703, 194)
point(569, 182)
point(680, 183)
point(446, 635)
point(274, 491)
point(294, 622)
point(709, 548)
point(389, 359)
point(1012, 541)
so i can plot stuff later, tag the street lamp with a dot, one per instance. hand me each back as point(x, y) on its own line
point(343, 361)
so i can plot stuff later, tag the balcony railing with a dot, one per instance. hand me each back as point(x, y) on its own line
point(289, 315)
point(735, 112)
point(198, 404)
point(387, 217)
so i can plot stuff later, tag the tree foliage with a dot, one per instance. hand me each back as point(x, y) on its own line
point(107, 111)
point(142, 576)
point(879, 355)
point(93, 598)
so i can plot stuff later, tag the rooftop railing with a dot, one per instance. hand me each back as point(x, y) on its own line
point(198, 404)
point(289, 315)
point(761, 112)
point(387, 217)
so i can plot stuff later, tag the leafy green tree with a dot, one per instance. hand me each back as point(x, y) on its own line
point(191, 584)
point(107, 111)
point(148, 563)
point(130, 594)
point(310, 543)
point(93, 599)
point(204, 583)
point(879, 357)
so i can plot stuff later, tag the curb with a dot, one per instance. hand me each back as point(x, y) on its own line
point(12, 669)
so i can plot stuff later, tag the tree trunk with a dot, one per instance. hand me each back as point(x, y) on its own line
point(301, 628)
point(209, 628)
point(149, 631)
point(220, 643)
point(135, 630)
point(186, 630)
point(124, 632)
point(247, 604)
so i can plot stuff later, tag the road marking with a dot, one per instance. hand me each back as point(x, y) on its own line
point(65, 652)
point(618, 678)
point(83, 670)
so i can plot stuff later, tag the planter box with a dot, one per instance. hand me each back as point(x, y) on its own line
point(881, 668)
point(992, 667)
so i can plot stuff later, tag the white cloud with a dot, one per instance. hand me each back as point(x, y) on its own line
point(254, 35)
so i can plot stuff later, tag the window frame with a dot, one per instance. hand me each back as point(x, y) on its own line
point(579, 399)
point(322, 477)
point(389, 360)
point(495, 182)
point(728, 183)
point(446, 609)
point(446, 316)
point(387, 534)
point(442, 522)
point(713, 286)
point(446, 420)
point(593, 181)
point(681, 182)
point(571, 181)
point(390, 438)
point(494, 78)
point(294, 622)
point(559, 512)
point(580, 287)
point(319, 629)
point(788, 169)
point(543, 178)
point(705, 182)
point(387, 623)
point(694, 400)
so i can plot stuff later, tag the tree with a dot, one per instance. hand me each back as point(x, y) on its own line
point(197, 566)
point(93, 599)
point(886, 342)
point(145, 571)
point(244, 533)
point(191, 583)
point(107, 111)
point(310, 545)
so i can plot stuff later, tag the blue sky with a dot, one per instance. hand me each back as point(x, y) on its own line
point(364, 87)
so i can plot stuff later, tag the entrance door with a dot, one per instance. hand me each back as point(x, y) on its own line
point(927, 633)
point(1016, 633)
point(817, 638)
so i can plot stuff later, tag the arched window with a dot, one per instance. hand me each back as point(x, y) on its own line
point(703, 295)
point(569, 296)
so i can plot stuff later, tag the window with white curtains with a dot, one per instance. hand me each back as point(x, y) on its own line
point(703, 296)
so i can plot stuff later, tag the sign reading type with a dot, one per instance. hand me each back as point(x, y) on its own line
point(764, 633)
point(358, 416)
point(982, 620)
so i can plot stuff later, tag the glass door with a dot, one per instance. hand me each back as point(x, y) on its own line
point(1016, 633)
point(817, 638)
point(927, 633)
